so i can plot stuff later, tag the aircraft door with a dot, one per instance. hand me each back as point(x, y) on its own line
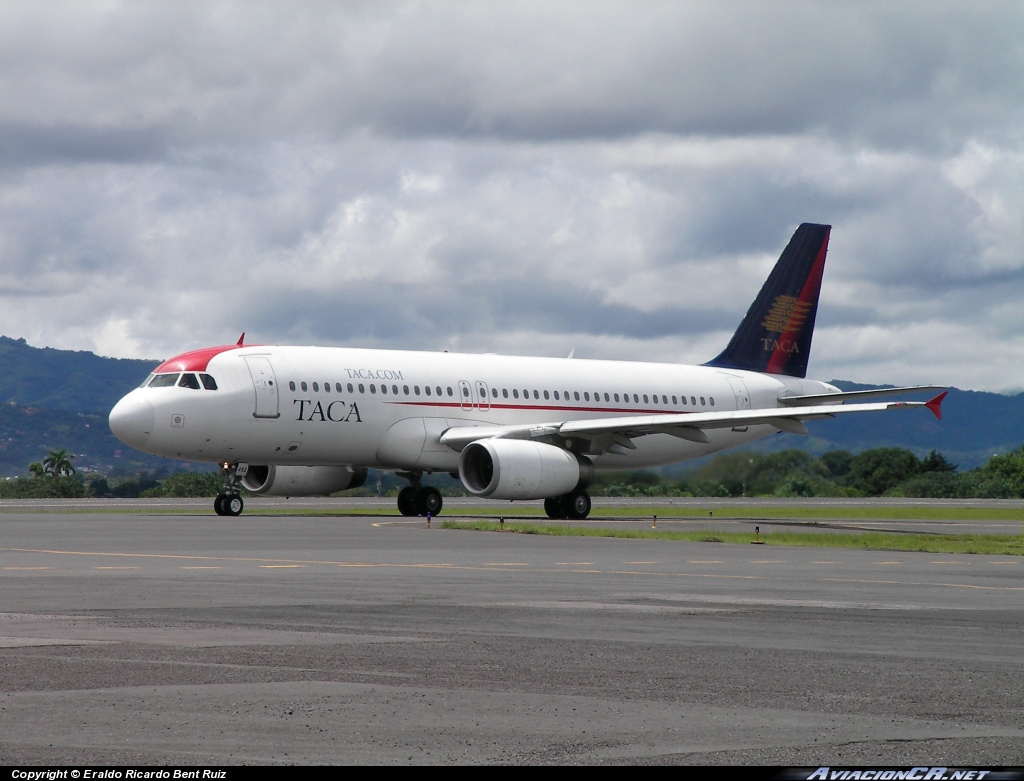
point(265, 383)
point(465, 395)
point(483, 399)
point(742, 395)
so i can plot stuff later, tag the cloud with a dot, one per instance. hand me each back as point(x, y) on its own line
point(531, 177)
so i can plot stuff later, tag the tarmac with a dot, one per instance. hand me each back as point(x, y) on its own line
point(161, 634)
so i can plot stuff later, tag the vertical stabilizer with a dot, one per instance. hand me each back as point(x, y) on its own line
point(775, 335)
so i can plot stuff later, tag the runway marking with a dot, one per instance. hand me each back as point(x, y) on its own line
point(282, 566)
point(489, 567)
point(641, 562)
point(27, 568)
point(506, 564)
point(824, 562)
point(768, 561)
point(200, 568)
point(115, 567)
point(888, 562)
point(953, 563)
point(575, 563)
point(709, 561)
point(1003, 562)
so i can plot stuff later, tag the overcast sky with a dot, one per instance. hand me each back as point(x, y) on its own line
point(525, 178)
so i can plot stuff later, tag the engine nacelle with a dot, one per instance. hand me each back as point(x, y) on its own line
point(518, 469)
point(301, 480)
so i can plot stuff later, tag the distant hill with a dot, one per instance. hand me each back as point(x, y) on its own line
point(65, 379)
point(78, 389)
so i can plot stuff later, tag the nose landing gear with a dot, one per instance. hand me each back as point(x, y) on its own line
point(229, 500)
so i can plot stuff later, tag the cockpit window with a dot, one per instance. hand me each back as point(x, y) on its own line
point(208, 382)
point(189, 380)
point(163, 380)
point(146, 381)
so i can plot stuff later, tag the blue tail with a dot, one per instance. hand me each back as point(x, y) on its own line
point(775, 335)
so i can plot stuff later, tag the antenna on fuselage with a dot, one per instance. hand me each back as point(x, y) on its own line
point(572, 352)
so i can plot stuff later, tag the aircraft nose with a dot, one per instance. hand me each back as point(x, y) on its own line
point(131, 420)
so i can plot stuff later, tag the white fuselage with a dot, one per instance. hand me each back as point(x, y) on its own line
point(320, 406)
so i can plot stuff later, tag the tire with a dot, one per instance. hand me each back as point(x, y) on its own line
point(232, 504)
point(553, 508)
point(578, 505)
point(430, 501)
point(407, 501)
point(218, 504)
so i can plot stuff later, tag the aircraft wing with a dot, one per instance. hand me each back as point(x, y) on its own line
point(615, 435)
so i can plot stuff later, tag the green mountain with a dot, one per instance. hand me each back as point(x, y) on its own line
point(71, 380)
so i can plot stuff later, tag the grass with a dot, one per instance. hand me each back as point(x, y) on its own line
point(992, 544)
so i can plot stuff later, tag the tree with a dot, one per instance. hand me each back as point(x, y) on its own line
point(36, 469)
point(58, 462)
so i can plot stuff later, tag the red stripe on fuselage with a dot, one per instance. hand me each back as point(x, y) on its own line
point(809, 293)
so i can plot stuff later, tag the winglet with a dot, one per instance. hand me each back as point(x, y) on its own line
point(241, 339)
point(935, 405)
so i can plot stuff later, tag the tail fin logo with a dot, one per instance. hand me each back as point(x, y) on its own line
point(788, 313)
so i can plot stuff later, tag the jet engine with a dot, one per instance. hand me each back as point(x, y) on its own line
point(301, 480)
point(517, 469)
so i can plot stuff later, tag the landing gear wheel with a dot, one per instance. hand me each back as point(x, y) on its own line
point(553, 508)
point(407, 501)
point(577, 505)
point(429, 501)
point(232, 504)
point(218, 504)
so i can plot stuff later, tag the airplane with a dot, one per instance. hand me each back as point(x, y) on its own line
point(310, 421)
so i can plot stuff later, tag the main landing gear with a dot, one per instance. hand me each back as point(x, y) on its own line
point(229, 500)
point(574, 506)
point(418, 499)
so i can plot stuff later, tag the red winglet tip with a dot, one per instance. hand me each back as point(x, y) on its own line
point(935, 405)
point(240, 339)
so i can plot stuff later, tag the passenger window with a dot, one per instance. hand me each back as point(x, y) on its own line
point(465, 392)
point(188, 381)
point(616, 397)
point(576, 395)
point(674, 400)
point(303, 386)
point(606, 397)
point(383, 389)
point(316, 388)
point(494, 392)
point(450, 391)
point(664, 399)
point(373, 388)
point(546, 396)
point(208, 382)
point(693, 400)
point(556, 395)
point(337, 387)
point(586, 396)
point(515, 393)
point(394, 389)
point(504, 392)
point(655, 398)
point(536, 395)
point(291, 385)
point(416, 389)
point(636, 399)
point(427, 390)
point(712, 400)
point(405, 389)
point(702, 401)
point(362, 389)
point(438, 389)
point(350, 388)
point(163, 380)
